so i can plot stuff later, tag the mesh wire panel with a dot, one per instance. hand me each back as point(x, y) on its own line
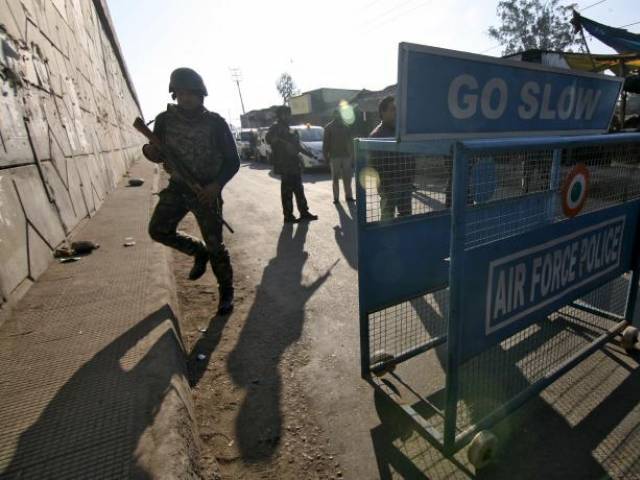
point(514, 192)
point(404, 184)
point(510, 194)
point(614, 169)
point(408, 325)
point(492, 378)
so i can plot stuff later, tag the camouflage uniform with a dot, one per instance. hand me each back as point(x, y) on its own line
point(204, 145)
point(285, 145)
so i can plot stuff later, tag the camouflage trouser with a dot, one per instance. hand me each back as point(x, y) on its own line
point(290, 186)
point(174, 204)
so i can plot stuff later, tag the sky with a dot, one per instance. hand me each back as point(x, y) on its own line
point(329, 43)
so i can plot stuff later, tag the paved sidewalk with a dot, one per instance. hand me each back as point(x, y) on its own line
point(92, 372)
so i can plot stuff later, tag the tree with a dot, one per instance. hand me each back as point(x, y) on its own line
point(525, 24)
point(286, 87)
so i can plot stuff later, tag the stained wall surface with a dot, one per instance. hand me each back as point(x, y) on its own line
point(66, 109)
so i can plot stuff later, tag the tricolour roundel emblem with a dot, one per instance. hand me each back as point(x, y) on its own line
point(575, 190)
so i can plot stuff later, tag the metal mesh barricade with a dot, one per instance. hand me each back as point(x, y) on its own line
point(407, 326)
point(404, 184)
point(491, 379)
point(514, 192)
point(506, 262)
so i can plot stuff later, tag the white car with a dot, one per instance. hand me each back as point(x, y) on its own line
point(246, 143)
point(311, 138)
point(264, 149)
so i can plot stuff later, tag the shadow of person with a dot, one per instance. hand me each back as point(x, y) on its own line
point(273, 324)
point(258, 165)
point(92, 426)
point(433, 311)
point(308, 176)
point(206, 345)
point(345, 235)
point(316, 175)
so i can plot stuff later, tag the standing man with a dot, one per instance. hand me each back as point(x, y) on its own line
point(285, 147)
point(202, 142)
point(396, 172)
point(336, 147)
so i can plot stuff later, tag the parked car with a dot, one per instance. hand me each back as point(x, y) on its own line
point(264, 149)
point(311, 138)
point(247, 143)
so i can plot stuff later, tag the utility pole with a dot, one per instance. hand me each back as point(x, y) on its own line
point(236, 76)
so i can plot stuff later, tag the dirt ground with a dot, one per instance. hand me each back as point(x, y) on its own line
point(281, 375)
point(291, 447)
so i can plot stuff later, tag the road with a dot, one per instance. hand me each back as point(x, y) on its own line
point(289, 356)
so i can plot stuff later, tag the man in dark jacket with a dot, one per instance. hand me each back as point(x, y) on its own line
point(285, 149)
point(336, 147)
point(202, 142)
point(396, 172)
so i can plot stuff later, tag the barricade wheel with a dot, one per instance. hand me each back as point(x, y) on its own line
point(380, 356)
point(629, 338)
point(482, 449)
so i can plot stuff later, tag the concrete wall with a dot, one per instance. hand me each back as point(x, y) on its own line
point(66, 109)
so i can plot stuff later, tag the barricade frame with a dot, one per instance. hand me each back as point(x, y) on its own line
point(450, 440)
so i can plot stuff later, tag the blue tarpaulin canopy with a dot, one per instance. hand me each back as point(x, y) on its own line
point(619, 39)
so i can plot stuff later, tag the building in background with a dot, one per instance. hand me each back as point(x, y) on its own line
point(259, 118)
point(367, 102)
point(316, 106)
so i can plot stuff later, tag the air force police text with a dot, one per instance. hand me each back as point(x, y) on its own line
point(525, 281)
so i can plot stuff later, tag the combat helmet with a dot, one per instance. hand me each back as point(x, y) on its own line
point(186, 79)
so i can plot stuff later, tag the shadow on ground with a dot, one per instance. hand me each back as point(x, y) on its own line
point(585, 426)
point(200, 355)
point(345, 234)
point(91, 427)
point(273, 324)
point(310, 176)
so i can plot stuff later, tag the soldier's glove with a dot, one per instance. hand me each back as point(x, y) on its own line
point(152, 152)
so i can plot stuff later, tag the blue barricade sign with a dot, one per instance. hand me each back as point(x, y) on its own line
point(514, 282)
point(449, 94)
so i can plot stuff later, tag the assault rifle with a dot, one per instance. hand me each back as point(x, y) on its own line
point(177, 169)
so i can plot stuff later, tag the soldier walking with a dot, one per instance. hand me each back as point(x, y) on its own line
point(202, 142)
point(286, 147)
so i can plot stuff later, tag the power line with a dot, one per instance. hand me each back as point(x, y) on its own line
point(410, 10)
point(592, 5)
point(492, 48)
point(621, 26)
point(375, 20)
point(630, 24)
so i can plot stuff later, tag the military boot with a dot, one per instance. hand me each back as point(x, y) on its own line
point(199, 264)
point(308, 216)
point(225, 305)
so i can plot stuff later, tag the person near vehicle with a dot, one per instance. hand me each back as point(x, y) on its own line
point(203, 144)
point(336, 147)
point(285, 151)
point(253, 145)
point(396, 172)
